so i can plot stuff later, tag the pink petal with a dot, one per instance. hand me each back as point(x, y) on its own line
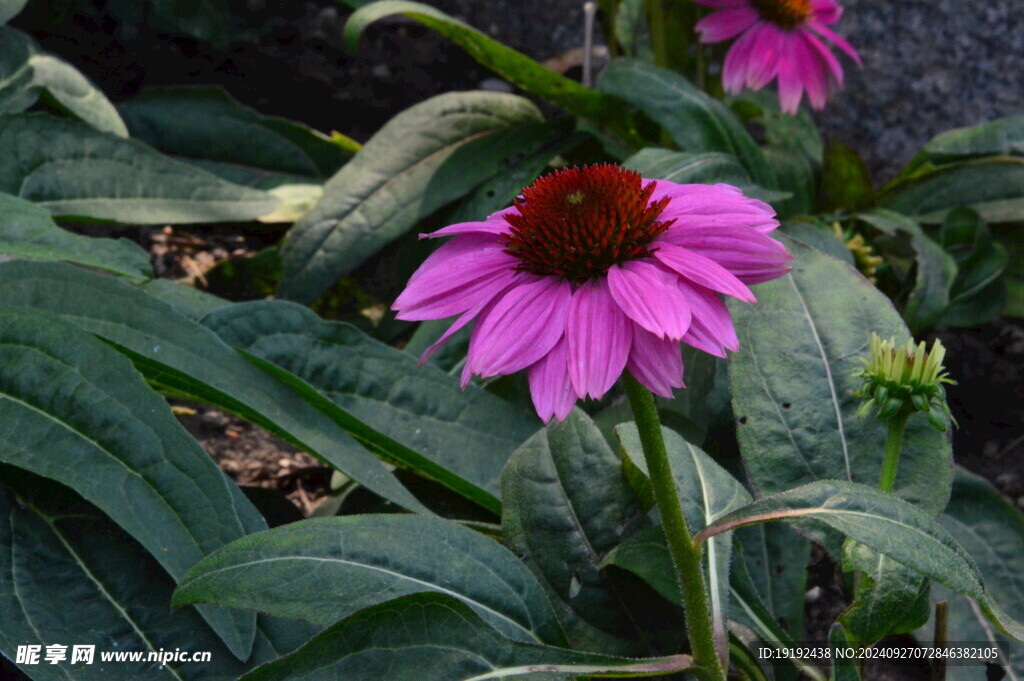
point(812, 73)
point(649, 296)
point(656, 363)
point(750, 255)
point(771, 47)
point(829, 59)
point(463, 273)
point(712, 329)
point(520, 328)
point(490, 226)
point(464, 319)
point(727, 24)
point(550, 386)
point(760, 223)
point(703, 271)
point(738, 60)
point(834, 37)
point(791, 87)
point(599, 336)
point(826, 11)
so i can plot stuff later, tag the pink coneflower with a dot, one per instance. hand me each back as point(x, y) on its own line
point(594, 270)
point(778, 38)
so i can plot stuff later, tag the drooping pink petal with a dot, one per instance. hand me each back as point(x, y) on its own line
point(752, 256)
point(829, 59)
point(737, 61)
point(768, 50)
point(726, 24)
point(492, 227)
point(813, 74)
point(712, 329)
point(657, 363)
point(599, 337)
point(461, 274)
point(649, 296)
point(465, 318)
point(520, 328)
point(826, 11)
point(703, 271)
point(550, 387)
point(836, 39)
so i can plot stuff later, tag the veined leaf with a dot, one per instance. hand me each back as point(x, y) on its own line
point(113, 594)
point(75, 171)
point(706, 491)
point(74, 410)
point(890, 598)
point(416, 417)
point(26, 72)
point(423, 158)
point(992, 531)
point(323, 570)
point(696, 121)
point(565, 506)
point(992, 186)
point(207, 125)
point(995, 138)
point(883, 522)
point(175, 352)
point(511, 65)
point(439, 636)
point(793, 383)
point(28, 231)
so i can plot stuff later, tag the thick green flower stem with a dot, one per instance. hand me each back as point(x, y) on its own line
point(893, 442)
point(685, 554)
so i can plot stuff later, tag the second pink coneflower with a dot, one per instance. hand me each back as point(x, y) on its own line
point(780, 39)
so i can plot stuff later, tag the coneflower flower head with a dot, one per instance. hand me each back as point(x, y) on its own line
point(592, 271)
point(778, 39)
point(905, 380)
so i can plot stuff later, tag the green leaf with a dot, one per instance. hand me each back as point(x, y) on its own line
point(28, 231)
point(890, 598)
point(992, 531)
point(699, 168)
point(323, 570)
point(511, 65)
point(631, 29)
point(883, 522)
point(113, 595)
point(706, 491)
point(234, 141)
point(175, 352)
point(818, 234)
point(422, 159)
point(978, 294)
point(797, 177)
point(186, 300)
point(565, 506)
point(936, 269)
point(793, 384)
point(10, 9)
point(74, 410)
point(695, 121)
point(992, 186)
point(416, 417)
point(401, 639)
point(775, 559)
point(1004, 136)
point(845, 181)
point(26, 73)
point(73, 170)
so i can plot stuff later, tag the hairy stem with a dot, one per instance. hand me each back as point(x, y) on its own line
point(685, 554)
point(893, 442)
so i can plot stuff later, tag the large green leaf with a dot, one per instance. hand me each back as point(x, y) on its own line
point(73, 170)
point(423, 158)
point(979, 292)
point(775, 559)
point(793, 384)
point(28, 231)
point(231, 140)
point(706, 491)
point(883, 522)
point(325, 569)
point(998, 137)
point(992, 531)
point(26, 73)
point(438, 638)
point(417, 417)
point(992, 186)
point(113, 595)
point(511, 65)
point(936, 269)
point(10, 9)
point(695, 121)
point(175, 352)
point(566, 504)
point(709, 167)
point(74, 410)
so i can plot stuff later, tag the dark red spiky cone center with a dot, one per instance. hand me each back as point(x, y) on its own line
point(577, 222)
point(784, 13)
